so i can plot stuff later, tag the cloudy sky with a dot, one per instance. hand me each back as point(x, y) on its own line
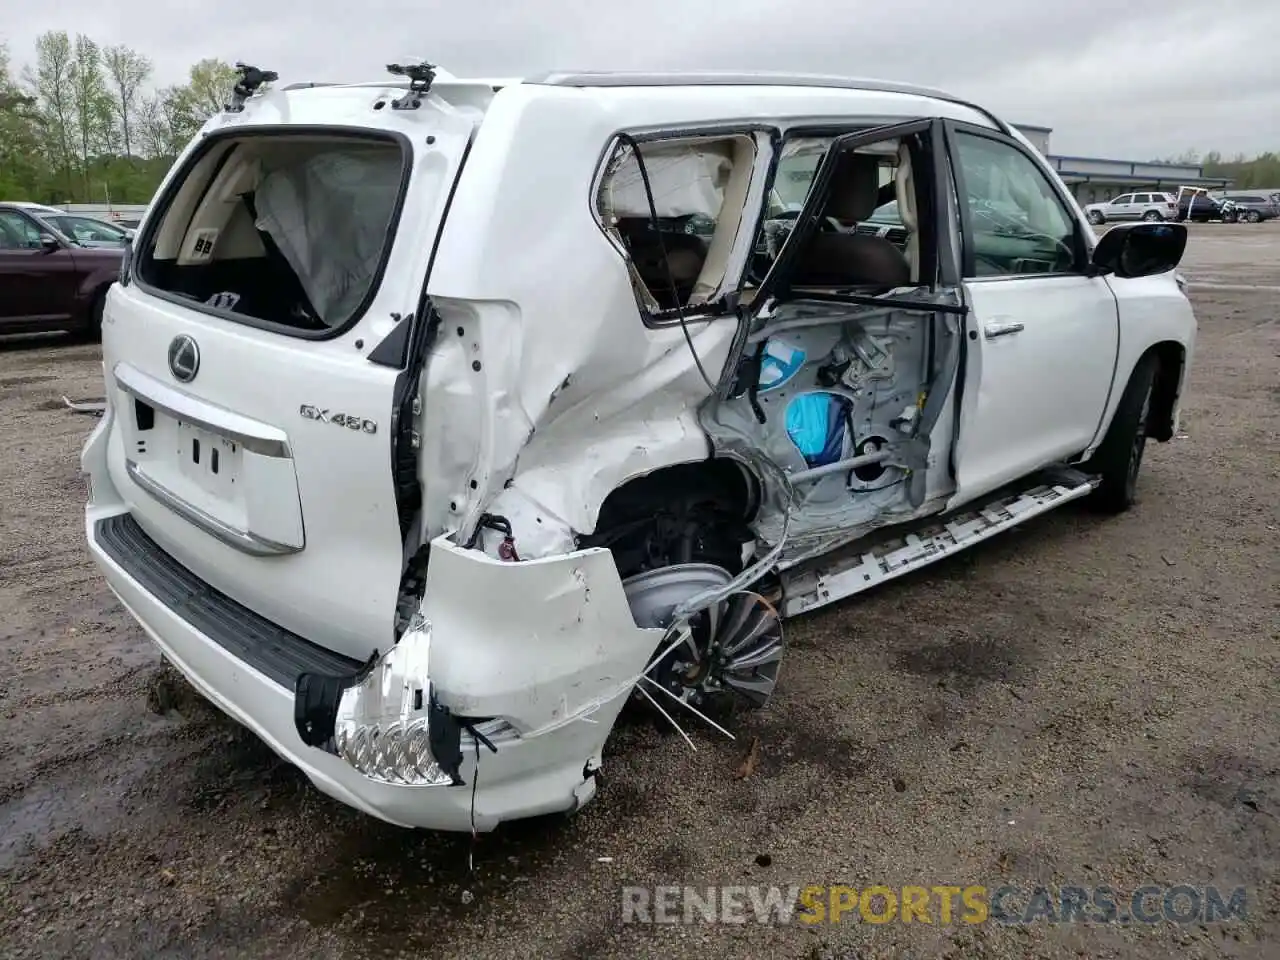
point(1135, 80)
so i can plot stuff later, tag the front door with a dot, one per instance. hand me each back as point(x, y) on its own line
point(36, 284)
point(1042, 335)
point(1121, 208)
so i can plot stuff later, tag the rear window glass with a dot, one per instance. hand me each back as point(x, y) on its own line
point(287, 231)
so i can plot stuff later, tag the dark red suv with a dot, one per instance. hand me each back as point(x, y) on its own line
point(48, 281)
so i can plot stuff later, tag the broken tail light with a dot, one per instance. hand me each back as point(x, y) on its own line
point(380, 720)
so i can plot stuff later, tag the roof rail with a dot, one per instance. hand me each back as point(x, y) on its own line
point(307, 84)
point(614, 78)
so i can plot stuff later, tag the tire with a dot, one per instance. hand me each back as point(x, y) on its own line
point(1096, 218)
point(1119, 457)
point(1253, 216)
point(1151, 216)
point(91, 332)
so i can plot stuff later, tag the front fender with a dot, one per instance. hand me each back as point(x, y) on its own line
point(1154, 313)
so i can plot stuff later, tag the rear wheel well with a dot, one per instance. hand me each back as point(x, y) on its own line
point(687, 512)
point(1170, 359)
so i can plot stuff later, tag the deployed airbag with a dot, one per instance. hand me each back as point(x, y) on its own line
point(686, 180)
point(329, 214)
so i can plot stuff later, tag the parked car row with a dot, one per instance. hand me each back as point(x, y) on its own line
point(1197, 207)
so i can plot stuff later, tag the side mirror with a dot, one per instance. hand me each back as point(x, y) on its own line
point(1144, 249)
point(49, 243)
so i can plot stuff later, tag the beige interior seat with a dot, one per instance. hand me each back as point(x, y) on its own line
point(839, 259)
point(728, 221)
point(904, 185)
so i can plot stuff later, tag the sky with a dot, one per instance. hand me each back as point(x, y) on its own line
point(1137, 80)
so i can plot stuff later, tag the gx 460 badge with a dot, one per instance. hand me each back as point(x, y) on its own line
point(339, 419)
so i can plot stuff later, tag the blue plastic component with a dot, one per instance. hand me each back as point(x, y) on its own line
point(781, 362)
point(816, 425)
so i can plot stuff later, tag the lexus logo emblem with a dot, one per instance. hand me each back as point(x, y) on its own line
point(184, 358)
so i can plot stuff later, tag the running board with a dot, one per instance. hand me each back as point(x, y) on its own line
point(822, 582)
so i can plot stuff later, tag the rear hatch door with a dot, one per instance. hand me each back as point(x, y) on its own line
point(259, 454)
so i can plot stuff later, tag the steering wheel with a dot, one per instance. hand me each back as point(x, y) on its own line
point(1063, 249)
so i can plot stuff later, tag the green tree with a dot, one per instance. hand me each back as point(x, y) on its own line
point(21, 163)
point(91, 102)
point(167, 122)
point(208, 87)
point(51, 83)
point(128, 71)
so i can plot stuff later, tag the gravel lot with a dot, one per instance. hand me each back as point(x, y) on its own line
point(1080, 701)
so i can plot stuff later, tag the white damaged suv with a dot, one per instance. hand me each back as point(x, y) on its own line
point(445, 416)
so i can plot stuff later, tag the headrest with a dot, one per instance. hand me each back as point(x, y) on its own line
point(854, 188)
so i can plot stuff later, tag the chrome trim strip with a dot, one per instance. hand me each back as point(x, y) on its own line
point(250, 434)
point(242, 540)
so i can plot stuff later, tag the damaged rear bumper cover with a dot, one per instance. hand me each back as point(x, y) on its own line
point(547, 649)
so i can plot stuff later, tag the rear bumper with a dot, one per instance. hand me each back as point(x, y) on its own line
point(242, 663)
point(524, 778)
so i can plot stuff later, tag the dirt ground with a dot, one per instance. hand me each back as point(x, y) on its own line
point(1079, 702)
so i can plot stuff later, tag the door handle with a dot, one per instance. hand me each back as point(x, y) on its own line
point(996, 328)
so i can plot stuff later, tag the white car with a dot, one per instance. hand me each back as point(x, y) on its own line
point(1146, 206)
point(434, 436)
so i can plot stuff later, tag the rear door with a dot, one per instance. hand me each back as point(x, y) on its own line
point(786, 386)
point(258, 456)
point(1043, 335)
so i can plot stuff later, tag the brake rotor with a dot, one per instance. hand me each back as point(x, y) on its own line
point(734, 647)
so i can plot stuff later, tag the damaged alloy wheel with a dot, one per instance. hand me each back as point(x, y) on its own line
point(729, 650)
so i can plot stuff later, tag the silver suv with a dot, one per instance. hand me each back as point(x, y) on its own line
point(1133, 206)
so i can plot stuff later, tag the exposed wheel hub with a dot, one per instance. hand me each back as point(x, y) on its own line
point(732, 648)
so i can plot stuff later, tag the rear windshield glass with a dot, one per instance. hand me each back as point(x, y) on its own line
point(282, 230)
